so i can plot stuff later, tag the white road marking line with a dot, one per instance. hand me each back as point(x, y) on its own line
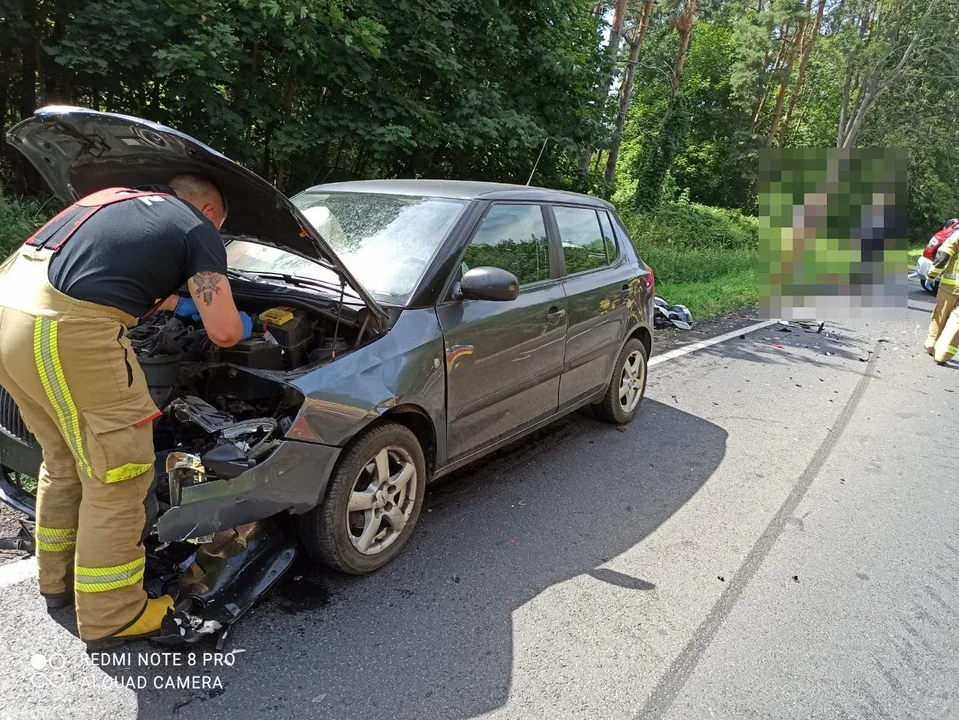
point(913, 274)
point(686, 349)
point(15, 572)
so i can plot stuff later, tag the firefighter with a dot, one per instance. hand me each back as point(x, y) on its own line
point(68, 297)
point(944, 327)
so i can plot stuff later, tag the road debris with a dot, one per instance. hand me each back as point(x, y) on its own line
point(812, 326)
point(666, 315)
point(21, 542)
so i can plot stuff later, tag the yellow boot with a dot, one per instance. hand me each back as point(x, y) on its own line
point(145, 626)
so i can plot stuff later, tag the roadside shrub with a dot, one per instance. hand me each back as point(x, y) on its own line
point(693, 226)
point(20, 218)
point(704, 257)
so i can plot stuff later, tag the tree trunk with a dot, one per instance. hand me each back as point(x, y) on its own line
point(757, 115)
point(802, 113)
point(616, 31)
point(626, 92)
point(684, 26)
point(801, 75)
point(794, 47)
point(28, 65)
point(6, 72)
point(874, 85)
point(612, 49)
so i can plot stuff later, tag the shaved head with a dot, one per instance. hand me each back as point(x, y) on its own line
point(202, 194)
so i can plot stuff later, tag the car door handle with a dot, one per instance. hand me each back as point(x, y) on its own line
point(626, 291)
point(555, 314)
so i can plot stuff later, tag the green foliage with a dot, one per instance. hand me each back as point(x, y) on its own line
point(304, 91)
point(689, 227)
point(658, 154)
point(712, 296)
point(20, 218)
point(705, 258)
point(528, 260)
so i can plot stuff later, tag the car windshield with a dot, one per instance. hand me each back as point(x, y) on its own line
point(385, 241)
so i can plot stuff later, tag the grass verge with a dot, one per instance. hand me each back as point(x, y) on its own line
point(20, 218)
point(704, 258)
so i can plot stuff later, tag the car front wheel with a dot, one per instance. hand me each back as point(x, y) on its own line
point(372, 503)
point(627, 386)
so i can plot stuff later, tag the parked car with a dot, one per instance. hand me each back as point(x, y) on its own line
point(406, 328)
point(929, 255)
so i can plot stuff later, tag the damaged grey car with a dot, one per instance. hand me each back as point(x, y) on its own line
point(404, 329)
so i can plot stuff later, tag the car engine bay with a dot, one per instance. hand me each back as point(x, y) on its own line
point(224, 410)
point(230, 401)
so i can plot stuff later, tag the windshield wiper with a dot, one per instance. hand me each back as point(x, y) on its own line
point(300, 281)
point(243, 275)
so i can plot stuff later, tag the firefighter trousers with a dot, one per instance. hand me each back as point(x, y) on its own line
point(73, 373)
point(943, 337)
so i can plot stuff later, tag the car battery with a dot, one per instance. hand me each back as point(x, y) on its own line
point(257, 352)
point(293, 331)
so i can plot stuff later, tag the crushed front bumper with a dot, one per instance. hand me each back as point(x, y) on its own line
point(293, 478)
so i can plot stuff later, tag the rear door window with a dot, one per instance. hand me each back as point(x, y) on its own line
point(585, 242)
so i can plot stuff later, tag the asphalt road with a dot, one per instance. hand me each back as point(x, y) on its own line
point(776, 535)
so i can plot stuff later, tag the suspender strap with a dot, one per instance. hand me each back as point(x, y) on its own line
point(61, 228)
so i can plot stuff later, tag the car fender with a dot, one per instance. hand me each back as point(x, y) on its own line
point(403, 368)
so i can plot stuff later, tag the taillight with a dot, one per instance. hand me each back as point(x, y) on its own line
point(652, 280)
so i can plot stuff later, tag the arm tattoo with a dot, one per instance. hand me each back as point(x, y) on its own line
point(207, 285)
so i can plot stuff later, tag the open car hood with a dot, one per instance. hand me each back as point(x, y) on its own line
point(79, 151)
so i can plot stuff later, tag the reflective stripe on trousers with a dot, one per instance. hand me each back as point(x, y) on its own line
point(102, 579)
point(47, 356)
point(55, 539)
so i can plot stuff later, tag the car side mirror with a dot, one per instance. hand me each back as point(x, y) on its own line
point(489, 283)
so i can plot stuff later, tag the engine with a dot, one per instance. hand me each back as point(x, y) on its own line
point(228, 406)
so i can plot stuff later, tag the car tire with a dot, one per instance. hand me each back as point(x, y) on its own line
point(334, 536)
point(612, 408)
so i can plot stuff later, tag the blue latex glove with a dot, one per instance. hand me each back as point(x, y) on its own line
point(247, 321)
point(186, 308)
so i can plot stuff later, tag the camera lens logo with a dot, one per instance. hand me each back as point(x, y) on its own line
point(48, 671)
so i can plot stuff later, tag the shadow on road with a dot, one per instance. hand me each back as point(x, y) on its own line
point(431, 635)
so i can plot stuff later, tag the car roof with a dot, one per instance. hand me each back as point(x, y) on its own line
point(459, 189)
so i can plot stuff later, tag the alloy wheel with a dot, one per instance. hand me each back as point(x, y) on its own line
point(632, 381)
point(382, 500)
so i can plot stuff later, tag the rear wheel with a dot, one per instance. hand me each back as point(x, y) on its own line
point(627, 385)
point(372, 503)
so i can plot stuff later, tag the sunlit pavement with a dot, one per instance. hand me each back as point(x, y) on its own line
point(772, 537)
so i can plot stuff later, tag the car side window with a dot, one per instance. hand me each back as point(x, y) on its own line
point(513, 238)
point(584, 244)
point(608, 237)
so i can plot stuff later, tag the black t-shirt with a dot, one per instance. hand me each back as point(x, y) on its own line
point(135, 252)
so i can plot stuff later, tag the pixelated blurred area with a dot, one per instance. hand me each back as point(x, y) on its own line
point(832, 233)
